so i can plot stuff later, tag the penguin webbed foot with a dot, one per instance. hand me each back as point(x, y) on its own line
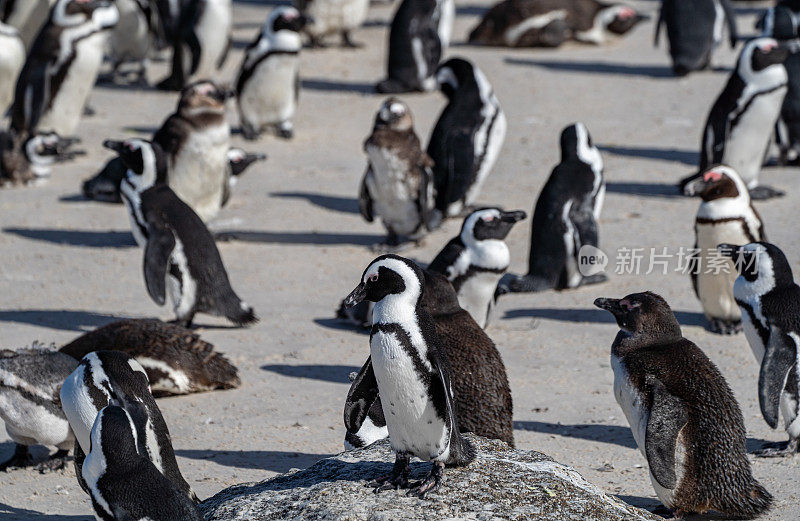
point(397, 478)
point(249, 132)
point(779, 450)
point(285, 130)
point(762, 192)
point(431, 483)
point(724, 327)
point(57, 461)
point(348, 42)
point(20, 458)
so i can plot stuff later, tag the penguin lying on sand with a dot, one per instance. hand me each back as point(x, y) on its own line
point(770, 301)
point(683, 415)
point(24, 161)
point(409, 369)
point(30, 380)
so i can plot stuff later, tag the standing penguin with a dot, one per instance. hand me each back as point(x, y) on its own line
point(565, 217)
point(200, 42)
point(683, 416)
point(398, 183)
point(269, 80)
point(725, 216)
point(180, 256)
point(124, 484)
point(328, 17)
point(418, 38)
point(12, 58)
point(112, 378)
point(694, 30)
point(477, 258)
point(30, 380)
point(129, 40)
point(739, 127)
point(28, 16)
point(770, 301)
point(62, 67)
point(410, 371)
point(467, 137)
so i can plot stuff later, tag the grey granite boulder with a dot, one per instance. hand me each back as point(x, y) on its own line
point(501, 484)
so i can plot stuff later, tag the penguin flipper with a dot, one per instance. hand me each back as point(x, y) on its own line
point(160, 244)
point(447, 257)
point(365, 200)
point(779, 358)
point(362, 395)
point(441, 391)
point(668, 415)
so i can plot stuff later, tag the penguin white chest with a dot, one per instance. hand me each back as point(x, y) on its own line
point(394, 190)
point(78, 407)
point(476, 295)
point(29, 423)
point(411, 418)
point(715, 286)
point(269, 95)
point(12, 58)
point(213, 31)
point(331, 16)
point(750, 331)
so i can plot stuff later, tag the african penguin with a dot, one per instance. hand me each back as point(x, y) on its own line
point(565, 217)
point(739, 127)
point(467, 137)
point(12, 58)
point(694, 31)
point(725, 216)
point(418, 38)
point(398, 183)
point(129, 41)
point(476, 259)
point(238, 162)
point(410, 371)
point(328, 17)
point(549, 23)
point(30, 380)
point(682, 413)
point(28, 16)
point(180, 257)
point(113, 378)
point(62, 67)
point(770, 302)
point(200, 42)
point(29, 160)
point(176, 359)
point(123, 484)
point(269, 80)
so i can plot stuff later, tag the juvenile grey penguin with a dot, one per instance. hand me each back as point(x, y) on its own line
point(124, 484)
point(725, 216)
point(565, 217)
point(180, 256)
point(62, 67)
point(30, 380)
point(330, 17)
point(269, 79)
point(694, 31)
point(105, 378)
point(12, 58)
point(739, 127)
point(28, 160)
point(770, 302)
point(683, 415)
point(398, 183)
point(410, 371)
point(176, 359)
point(467, 138)
point(476, 259)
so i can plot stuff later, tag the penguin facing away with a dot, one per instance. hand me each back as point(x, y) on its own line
point(683, 415)
point(269, 80)
point(328, 17)
point(477, 258)
point(12, 58)
point(105, 378)
point(410, 371)
point(398, 183)
point(694, 31)
point(565, 217)
point(62, 67)
point(770, 302)
point(180, 256)
point(30, 380)
point(125, 485)
point(467, 138)
point(739, 127)
point(725, 216)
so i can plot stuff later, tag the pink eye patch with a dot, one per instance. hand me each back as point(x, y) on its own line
point(712, 176)
point(626, 13)
point(628, 305)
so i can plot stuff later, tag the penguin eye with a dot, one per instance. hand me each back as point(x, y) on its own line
point(373, 277)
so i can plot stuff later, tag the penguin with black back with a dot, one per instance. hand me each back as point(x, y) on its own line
point(683, 415)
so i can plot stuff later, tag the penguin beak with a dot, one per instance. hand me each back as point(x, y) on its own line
point(116, 146)
point(356, 296)
point(728, 250)
point(513, 217)
point(695, 187)
point(609, 304)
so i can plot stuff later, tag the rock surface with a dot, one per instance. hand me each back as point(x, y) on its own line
point(501, 484)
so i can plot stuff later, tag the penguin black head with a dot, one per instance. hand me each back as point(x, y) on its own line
point(454, 74)
point(285, 18)
point(761, 63)
point(239, 160)
point(119, 364)
point(146, 163)
point(760, 263)
point(394, 115)
point(718, 182)
point(204, 94)
point(643, 315)
point(389, 275)
point(622, 18)
point(488, 224)
point(114, 435)
point(577, 145)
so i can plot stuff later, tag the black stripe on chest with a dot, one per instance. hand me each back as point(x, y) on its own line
point(405, 342)
point(741, 220)
point(762, 331)
point(471, 272)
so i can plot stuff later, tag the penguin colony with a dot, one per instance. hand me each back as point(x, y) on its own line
point(433, 372)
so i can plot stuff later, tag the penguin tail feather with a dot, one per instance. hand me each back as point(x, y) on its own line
point(244, 316)
point(755, 502)
point(462, 451)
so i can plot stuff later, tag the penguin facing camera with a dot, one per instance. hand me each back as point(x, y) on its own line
point(331, 17)
point(770, 302)
point(683, 415)
point(725, 215)
point(27, 161)
point(565, 218)
point(398, 184)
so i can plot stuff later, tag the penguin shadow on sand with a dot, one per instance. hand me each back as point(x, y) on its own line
point(82, 238)
point(325, 373)
point(61, 319)
point(271, 460)
point(328, 202)
point(318, 238)
point(613, 434)
point(23, 514)
point(685, 318)
point(596, 67)
point(328, 85)
point(667, 189)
